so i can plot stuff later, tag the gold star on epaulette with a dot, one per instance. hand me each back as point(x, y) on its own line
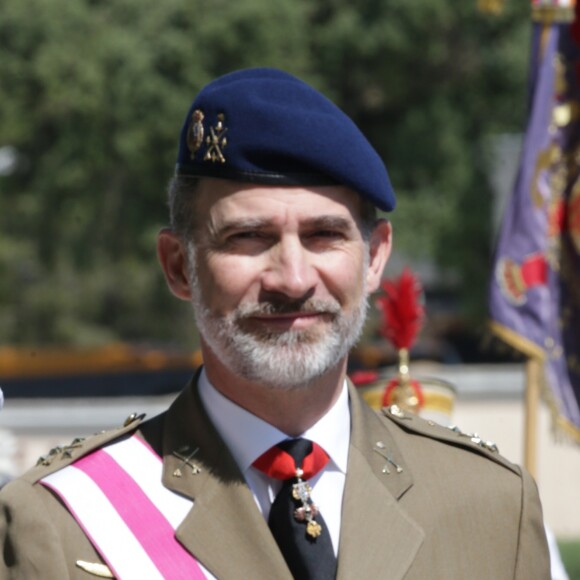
point(65, 452)
point(50, 456)
point(75, 444)
point(132, 418)
point(397, 412)
point(475, 438)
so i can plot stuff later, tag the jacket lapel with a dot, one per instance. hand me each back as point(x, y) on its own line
point(198, 465)
point(378, 539)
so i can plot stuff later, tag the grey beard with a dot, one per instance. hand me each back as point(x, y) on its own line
point(288, 360)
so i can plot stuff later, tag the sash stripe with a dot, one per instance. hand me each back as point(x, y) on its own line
point(144, 520)
point(146, 468)
point(107, 531)
point(116, 495)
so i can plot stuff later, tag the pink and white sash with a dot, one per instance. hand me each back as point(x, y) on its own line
point(116, 495)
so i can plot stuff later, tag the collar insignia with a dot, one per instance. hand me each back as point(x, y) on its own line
point(380, 448)
point(186, 455)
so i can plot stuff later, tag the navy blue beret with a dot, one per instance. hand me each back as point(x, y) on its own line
point(265, 126)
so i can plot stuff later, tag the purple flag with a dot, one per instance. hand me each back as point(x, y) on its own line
point(535, 289)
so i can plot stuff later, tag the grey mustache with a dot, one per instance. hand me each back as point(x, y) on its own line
point(310, 306)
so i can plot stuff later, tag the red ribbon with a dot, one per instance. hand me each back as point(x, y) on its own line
point(278, 464)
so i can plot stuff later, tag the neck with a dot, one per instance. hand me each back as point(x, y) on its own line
point(292, 411)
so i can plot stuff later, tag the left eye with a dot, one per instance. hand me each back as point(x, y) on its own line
point(246, 236)
point(326, 234)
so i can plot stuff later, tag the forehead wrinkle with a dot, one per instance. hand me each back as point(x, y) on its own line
point(243, 209)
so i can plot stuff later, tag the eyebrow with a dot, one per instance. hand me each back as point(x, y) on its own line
point(330, 222)
point(240, 224)
point(318, 222)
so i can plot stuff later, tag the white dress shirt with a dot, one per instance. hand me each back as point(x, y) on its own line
point(248, 437)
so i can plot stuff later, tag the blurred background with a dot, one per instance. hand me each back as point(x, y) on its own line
point(93, 94)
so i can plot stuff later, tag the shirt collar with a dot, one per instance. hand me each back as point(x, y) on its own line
point(248, 436)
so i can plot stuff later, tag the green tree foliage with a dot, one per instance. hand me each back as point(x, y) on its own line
point(93, 94)
point(429, 81)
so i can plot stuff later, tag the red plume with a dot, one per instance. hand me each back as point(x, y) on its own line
point(402, 310)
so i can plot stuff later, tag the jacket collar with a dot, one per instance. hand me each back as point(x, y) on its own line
point(223, 505)
point(198, 465)
point(378, 538)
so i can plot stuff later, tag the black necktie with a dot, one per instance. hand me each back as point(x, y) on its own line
point(298, 528)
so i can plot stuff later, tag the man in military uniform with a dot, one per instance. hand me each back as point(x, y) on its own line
point(268, 465)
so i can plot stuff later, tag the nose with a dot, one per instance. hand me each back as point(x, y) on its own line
point(290, 270)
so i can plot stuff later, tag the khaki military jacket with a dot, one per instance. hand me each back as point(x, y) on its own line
point(440, 507)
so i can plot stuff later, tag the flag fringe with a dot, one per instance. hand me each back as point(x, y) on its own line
point(517, 341)
point(564, 429)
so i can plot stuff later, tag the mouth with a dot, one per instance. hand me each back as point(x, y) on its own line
point(292, 320)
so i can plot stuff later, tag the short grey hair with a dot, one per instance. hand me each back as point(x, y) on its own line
point(181, 194)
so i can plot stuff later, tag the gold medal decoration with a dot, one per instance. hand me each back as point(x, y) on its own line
point(307, 511)
point(196, 132)
point(313, 529)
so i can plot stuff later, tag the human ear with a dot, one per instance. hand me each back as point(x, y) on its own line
point(172, 254)
point(380, 244)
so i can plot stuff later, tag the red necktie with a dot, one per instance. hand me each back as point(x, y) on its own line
point(296, 524)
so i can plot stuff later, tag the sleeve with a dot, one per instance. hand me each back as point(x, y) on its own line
point(30, 545)
point(533, 558)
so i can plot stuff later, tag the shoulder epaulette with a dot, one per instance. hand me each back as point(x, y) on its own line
point(452, 435)
point(63, 455)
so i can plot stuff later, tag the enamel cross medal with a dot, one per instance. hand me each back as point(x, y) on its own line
point(307, 511)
